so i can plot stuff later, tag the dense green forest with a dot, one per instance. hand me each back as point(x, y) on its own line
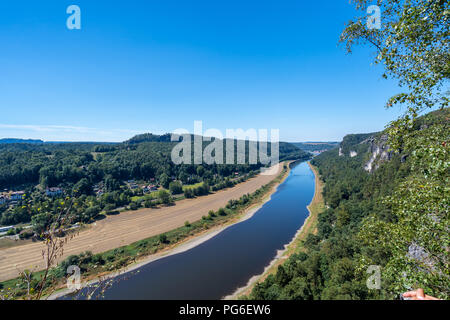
point(334, 262)
point(142, 157)
point(80, 168)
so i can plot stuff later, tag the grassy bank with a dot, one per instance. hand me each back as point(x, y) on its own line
point(98, 265)
point(316, 206)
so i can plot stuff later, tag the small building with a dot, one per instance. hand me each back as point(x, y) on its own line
point(6, 229)
point(53, 192)
point(15, 196)
point(153, 187)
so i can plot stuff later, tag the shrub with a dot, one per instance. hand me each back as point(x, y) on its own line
point(109, 207)
point(163, 238)
point(134, 206)
point(164, 196)
point(26, 234)
point(175, 187)
point(149, 203)
point(188, 193)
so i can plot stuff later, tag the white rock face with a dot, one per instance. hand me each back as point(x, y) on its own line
point(353, 154)
point(380, 152)
point(340, 152)
point(369, 164)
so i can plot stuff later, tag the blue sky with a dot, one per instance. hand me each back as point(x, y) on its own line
point(158, 66)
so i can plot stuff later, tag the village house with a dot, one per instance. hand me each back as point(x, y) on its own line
point(132, 184)
point(15, 196)
point(149, 188)
point(53, 192)
point(99, 189)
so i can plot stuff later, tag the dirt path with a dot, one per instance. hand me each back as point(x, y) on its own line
point(128, 227)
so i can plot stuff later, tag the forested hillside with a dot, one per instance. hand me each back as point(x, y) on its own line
point(362, 227)
point(142, 157)
point(7, 140)
point(104, 178)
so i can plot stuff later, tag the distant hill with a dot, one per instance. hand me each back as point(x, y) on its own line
point(288, 151)
point(38, 141)
point(149, 137)
point(140, 158)
point(13, 140)
point(316, 146)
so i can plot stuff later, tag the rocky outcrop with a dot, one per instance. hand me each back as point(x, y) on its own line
point(379, 150)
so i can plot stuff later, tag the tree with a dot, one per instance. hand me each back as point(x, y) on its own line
point(164, 180)
point(413, 45)
point(53, 251)
point(164, 196)
point(188, 193)
point(41, 222)
point(147, 171)
point(417, 240)
point(90, 213)
point(175, 187)
point(111, 184)
point(83, 187)
point(163, 238)
point(149, 203)
point(200, 171)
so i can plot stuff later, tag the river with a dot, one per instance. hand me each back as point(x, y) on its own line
point(226, 262)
